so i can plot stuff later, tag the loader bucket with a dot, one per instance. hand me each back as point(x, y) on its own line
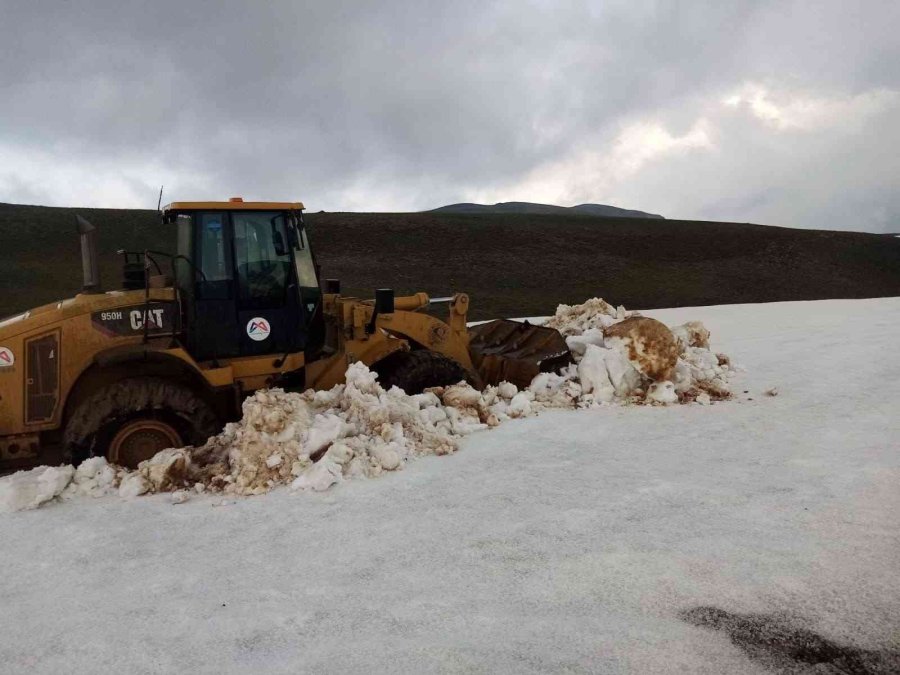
point(516, 351)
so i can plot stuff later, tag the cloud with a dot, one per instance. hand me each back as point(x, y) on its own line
point(732, 109)
point(794, 111)
point(601, 167)
point(43, 178)
point(759, 155)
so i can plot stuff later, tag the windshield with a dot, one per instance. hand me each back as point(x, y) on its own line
point(262, 257)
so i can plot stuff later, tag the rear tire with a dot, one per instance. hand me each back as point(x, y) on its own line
point(415, 371)
point(131, 420)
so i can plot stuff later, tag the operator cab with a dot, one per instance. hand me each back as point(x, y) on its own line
point(247, 279)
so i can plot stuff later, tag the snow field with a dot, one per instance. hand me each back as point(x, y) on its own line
point(567, 542)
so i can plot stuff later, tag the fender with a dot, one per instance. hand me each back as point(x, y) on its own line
point(139, 359)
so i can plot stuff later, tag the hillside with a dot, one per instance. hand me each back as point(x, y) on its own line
point(510, 264)
point(530, 208)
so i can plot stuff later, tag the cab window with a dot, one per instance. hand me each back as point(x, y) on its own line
point(262, 257)
point(306, 268)
point(213, 259)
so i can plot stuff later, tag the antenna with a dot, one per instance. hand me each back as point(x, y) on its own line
point(159, 202)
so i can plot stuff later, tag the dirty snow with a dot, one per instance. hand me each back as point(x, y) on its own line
point(572, 541)
point(315, 440)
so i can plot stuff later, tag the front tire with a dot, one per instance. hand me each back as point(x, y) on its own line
point(131, 420)
point(415, 371)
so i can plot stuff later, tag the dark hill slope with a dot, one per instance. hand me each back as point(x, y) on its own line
point(510, 264)
point(525, 265)
point(40, 258)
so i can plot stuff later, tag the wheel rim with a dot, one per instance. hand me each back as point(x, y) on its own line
point(141, 439)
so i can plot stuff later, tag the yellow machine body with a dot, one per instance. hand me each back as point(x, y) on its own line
point(55, 356)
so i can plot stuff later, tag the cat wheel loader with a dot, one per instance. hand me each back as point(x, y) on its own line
point(168, 358)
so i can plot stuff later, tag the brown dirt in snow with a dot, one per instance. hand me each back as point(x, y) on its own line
point(652, 348)
point(785, 648)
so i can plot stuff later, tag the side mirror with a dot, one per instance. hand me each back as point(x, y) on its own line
point(278, 243)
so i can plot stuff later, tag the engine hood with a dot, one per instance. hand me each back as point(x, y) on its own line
point(45, 315)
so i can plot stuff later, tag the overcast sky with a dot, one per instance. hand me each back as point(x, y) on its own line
point(774, 112)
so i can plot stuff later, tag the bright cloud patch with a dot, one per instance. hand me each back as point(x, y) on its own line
point(599, 169)
point(789, 111)
point(761, 153)
point(63, 179)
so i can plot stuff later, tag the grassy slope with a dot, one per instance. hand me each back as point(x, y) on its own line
point(510, 264)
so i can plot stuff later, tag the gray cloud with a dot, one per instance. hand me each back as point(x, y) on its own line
point(403, 106)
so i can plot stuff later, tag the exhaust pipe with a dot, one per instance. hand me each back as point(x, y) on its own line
point(89, 264)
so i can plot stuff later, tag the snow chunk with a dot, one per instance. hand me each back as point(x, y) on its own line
point(94, 477)
point(557, 390)
point(326, 429)
point(387, 457)
point(507, 390)
point(519, 406)
point(662, 392)
point(166, 469)
point(594, 373)
point(577, 319)
point(29, 489)
point(133, 485)
point(180, 496)
point(647, 343)
point(623, 376)
point(692, 334)
point(578, 343)
point(327, 471)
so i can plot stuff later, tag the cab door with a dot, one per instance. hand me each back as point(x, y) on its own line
point(267, 300)
point(210, 295)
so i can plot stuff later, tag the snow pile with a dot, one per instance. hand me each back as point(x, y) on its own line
point(623, 357)
point(316, 439)
point(311, 441)
point(94, 477)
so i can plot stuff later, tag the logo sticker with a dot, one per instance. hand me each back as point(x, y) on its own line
point(258, 328)
point(7, 358)
point(154, 318)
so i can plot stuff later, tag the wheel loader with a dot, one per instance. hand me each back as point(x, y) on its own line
point(168, 358)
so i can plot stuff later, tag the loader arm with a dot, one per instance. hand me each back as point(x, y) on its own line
point(358, 338)
point(450, 339)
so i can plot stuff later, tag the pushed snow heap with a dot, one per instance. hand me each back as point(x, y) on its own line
point(315, 439)
point(358, 429)
point(622, 356)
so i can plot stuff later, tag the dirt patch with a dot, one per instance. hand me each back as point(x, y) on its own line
point(785, 648)
point(652, 347)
